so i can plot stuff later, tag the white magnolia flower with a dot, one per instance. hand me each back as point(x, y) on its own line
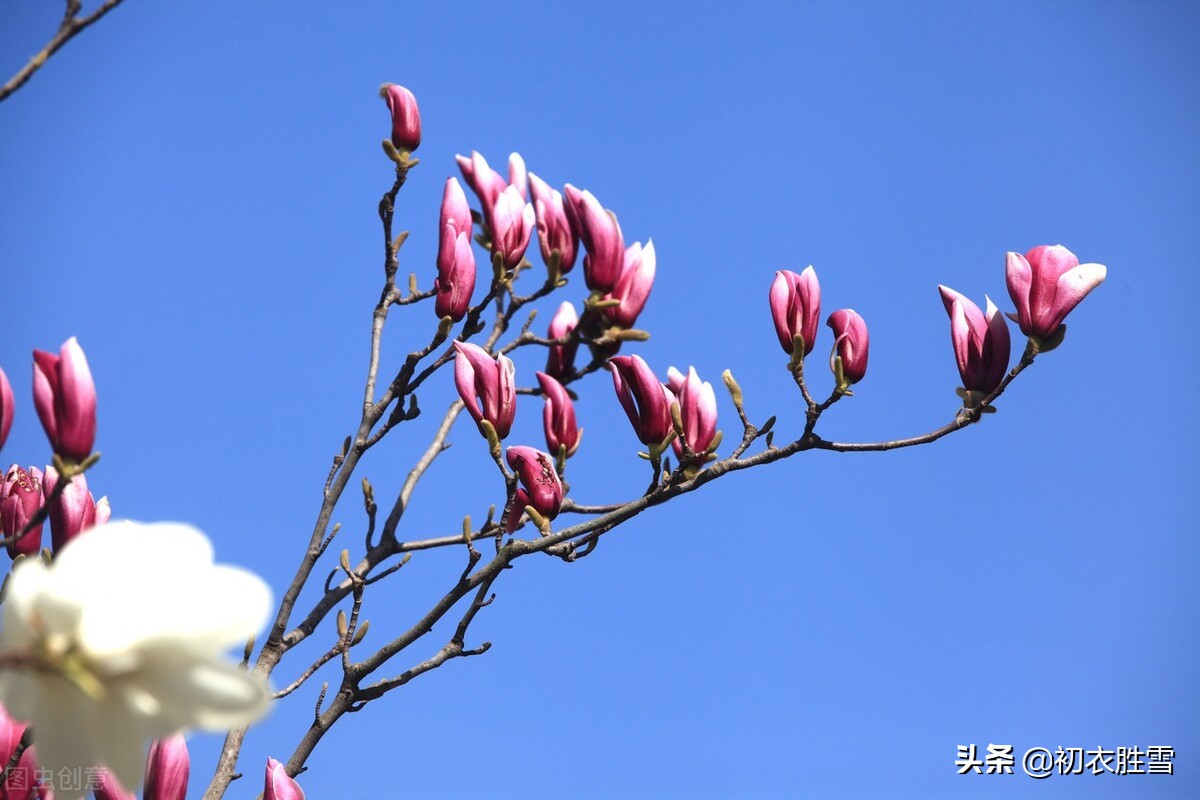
point(125, 631)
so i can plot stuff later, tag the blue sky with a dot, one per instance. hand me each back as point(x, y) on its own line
point(191, 190)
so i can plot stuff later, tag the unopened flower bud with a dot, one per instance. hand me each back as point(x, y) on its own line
point(981, 341)
point(850, 346)
point(601, 236)
point(796, 308)
point(483, 180)
point(6, 408)
point(553, 226)
point(456, 257)
point(406, 119)
point(561, 361)
point(486, 386)
point(279, 785)
point(65, 398)
point(167, 769)
point(697, 410)
point(633, 285)
point(647, 402)
point(558, 417)
point(73, 511)
point(517, 175)
point(512, 226)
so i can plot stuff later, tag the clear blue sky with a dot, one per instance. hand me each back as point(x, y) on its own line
point(191, 190)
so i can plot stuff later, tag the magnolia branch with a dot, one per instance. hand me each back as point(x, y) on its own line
point(71, 24)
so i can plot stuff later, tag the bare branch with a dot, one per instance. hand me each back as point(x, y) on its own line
point(71, 24)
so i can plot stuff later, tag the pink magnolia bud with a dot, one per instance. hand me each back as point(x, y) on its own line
point(697, 410)
point(1045, 284)
point(279, 785)
point(483, 180)
point(540, 486)
point(107, 787)
point(7, 406)
point(65, 398)
point(517, 175)
point(553, 227)
point(558, 417)
point(456, 258)
point(981, 343)
point(561, 361)
point(20, 499)
point(647, 402)
point(512, 225)
point(601, 236)
point(796, 307)
point(486, 386)
point(850, 345)
point(167, 769)
point(74, 511)
point(633, 286)
point(22, 780)
point(406, 119)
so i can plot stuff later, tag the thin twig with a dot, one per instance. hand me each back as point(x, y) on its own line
point(71, 25)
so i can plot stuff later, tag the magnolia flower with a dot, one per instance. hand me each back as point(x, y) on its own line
point(981, 342)
point(553, 228)
point(540, 487)
point(279, 785)
point(601, 236)
point(633, 285)
point(406, 119)
point(122, 635)
point(558, 417)
point(796, 308)
point(486, 386)
point(697, 410)
point(647, 402)
point(6, 407)
point(849, 348)
point(483, 180)
point(65, 398)
point(561, 361)
point(1045, 284)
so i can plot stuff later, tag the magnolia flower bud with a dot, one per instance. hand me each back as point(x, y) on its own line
point(456, 258)
point(512, 225)
point(850, 346)
point(167, 769)
point(517, 174)
point(633, 286)
point(406, 119)
point(483, 180)
point(697, 410)
point(65, 398)
point(561, 361)
point(540, 486)
point(486, 386)
point(601, 236)
point(558, 417)
point(647, 402)
point(107, 787)
point(73, 511)
point(1045, 284)
point(7, 405)
point(279, 785)
point(22, 783)
point(796, 308)
point(20, 499)
point(981, 343)
point(553, 227)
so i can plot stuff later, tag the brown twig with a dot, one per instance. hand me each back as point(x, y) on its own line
point(71, 24)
